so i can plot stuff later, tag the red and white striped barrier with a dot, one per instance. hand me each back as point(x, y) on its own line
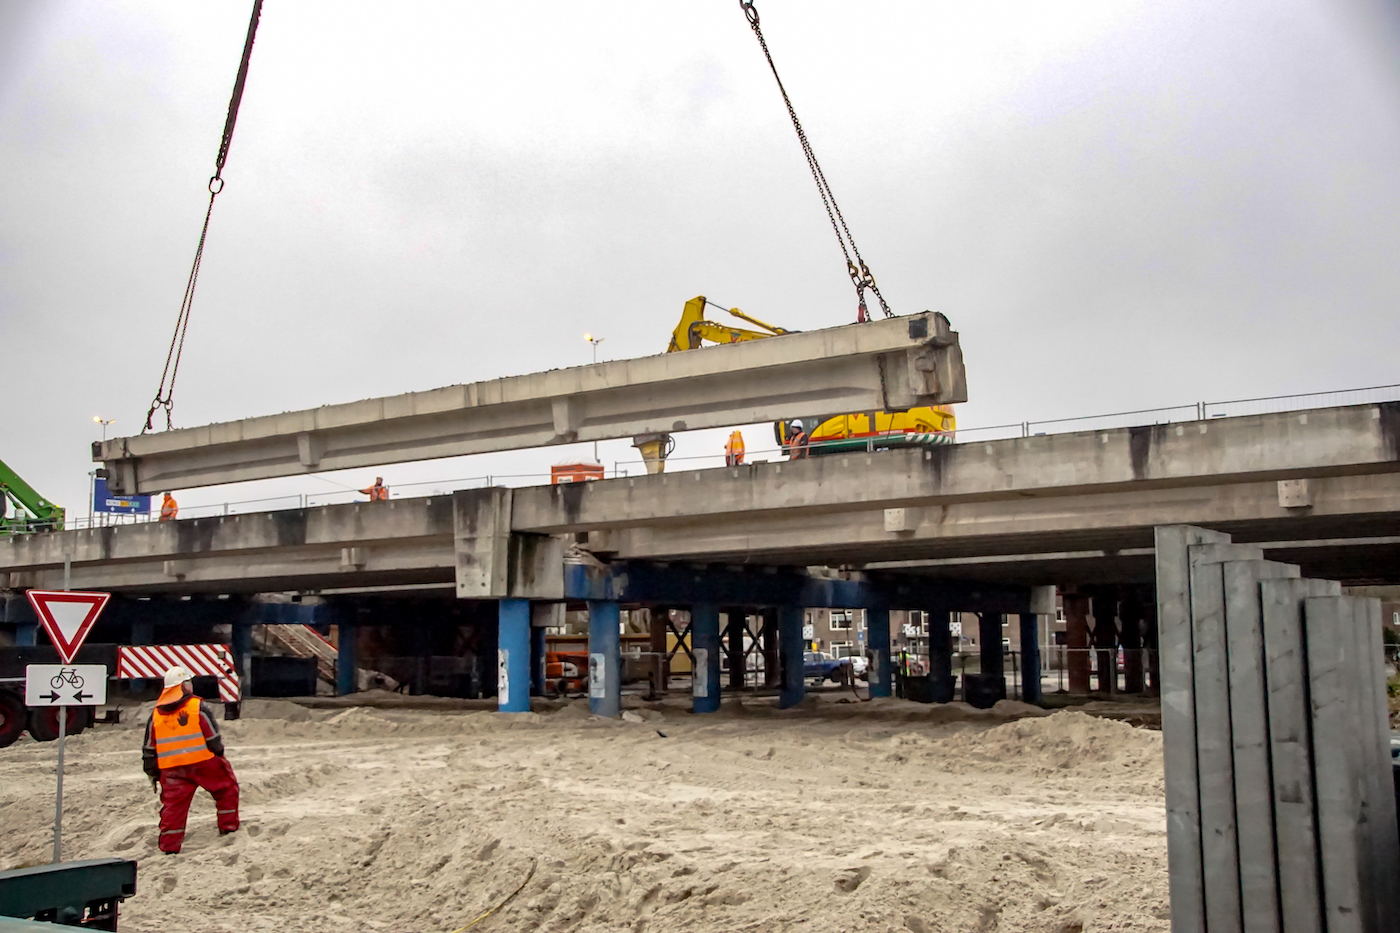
point(202, 660)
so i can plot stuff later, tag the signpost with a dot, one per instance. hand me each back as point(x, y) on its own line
point(104, 500)
point(67, 617)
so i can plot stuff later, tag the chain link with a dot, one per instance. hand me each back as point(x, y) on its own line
point(861, 276)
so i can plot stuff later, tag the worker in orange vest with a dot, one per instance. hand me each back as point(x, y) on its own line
point(378, 492)
point(182, 753)
point(169, 508)
point(734, 450)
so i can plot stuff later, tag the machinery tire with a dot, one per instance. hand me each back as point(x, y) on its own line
point(12, 718)
point(43, 723)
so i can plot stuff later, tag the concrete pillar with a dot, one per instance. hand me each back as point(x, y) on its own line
point(1077, 642)
point(790, 645)
point(1105, 611)
point(537, 653)
point(347, 662)
point(877, 645)
point(1030, 657)
point(657, 645)
point(772, 665)
point(734, 645)
point(1130, 613)
point(989, 634)
point(1151, 647)
point(705, 644)
point(604, 658)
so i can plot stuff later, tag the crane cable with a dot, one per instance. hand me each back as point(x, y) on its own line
point(165, 395)
point(859, 272)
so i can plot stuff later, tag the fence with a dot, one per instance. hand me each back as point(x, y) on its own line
point(1192, 411)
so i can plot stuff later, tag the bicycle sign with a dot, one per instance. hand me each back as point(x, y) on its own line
point(65, 684)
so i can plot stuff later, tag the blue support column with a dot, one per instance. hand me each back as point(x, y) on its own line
point(989, 634)
point(537, 652)
point(513, 656)
point(347, 662)
point(877, 646)
point(604, 658)
point(26, 634)
point(1030, 657)
point(704, 642)
point(790, 645)
point(242, 647)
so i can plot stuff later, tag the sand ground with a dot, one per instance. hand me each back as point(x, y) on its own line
point(881, 816)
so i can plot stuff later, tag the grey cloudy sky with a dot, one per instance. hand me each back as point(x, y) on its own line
point(1118, 204)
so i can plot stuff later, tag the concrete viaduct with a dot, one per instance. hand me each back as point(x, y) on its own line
point(977, 526)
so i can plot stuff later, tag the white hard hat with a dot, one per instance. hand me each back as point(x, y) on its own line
point(176, 676)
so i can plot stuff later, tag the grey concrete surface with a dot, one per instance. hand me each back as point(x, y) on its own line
point(891, 364)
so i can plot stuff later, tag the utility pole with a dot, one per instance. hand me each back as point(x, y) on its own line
point(595, 341)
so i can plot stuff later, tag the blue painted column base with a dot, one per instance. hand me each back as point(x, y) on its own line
point(513, 656)
point(1030, 658)
point(790, 645)
point(604, 658)
point(877, 646)
point(705, 644)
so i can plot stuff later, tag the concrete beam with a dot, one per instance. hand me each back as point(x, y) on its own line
point(893, 364)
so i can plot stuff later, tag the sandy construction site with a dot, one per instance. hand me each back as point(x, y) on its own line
point(833, 816)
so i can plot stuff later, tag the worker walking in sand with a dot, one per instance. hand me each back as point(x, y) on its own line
point(378, 492)
point(182, 753)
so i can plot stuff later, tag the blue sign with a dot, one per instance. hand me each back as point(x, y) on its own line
point(104, 501)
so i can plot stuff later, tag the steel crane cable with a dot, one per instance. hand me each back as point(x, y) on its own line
point(165, 394)
point(859, 272)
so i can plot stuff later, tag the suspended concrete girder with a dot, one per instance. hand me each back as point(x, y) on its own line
point(891, 364)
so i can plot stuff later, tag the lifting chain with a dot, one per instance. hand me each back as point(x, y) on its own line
point(165, 394)
point(859, 272)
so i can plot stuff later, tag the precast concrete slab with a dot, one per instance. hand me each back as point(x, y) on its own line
point(892, 364)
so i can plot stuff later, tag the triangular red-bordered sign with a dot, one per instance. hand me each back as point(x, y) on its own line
point(67, 617)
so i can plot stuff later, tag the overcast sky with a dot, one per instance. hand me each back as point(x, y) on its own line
point(1118, 204)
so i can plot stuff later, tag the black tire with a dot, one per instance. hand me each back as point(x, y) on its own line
point(43, 723)
point(12, 718)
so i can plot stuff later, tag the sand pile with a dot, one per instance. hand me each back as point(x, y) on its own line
point(749, 820)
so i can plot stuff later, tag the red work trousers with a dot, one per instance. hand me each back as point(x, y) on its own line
point(177, 787)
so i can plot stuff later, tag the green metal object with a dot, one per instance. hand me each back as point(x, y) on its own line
point(31, 511)
point(85, 892)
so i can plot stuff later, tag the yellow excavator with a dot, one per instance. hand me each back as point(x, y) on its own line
point(801, 437)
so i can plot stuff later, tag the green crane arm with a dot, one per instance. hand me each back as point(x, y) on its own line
point(42, 515)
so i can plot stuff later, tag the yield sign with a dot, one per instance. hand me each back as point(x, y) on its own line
point(67, 617)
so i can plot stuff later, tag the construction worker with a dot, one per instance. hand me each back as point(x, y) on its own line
point(183, 752)
point(378, 492)
point(169, 508)
point(734, 450)
point(797, 442)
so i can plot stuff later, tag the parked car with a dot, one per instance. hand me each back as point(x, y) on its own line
point(817, 665)
point(859, 664)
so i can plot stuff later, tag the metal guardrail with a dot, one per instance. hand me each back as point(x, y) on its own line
point(1171, 414)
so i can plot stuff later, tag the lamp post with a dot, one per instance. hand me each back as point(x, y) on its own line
point(595, 341)
point(92, 474)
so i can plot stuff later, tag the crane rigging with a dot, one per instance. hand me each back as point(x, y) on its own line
point(856, 267)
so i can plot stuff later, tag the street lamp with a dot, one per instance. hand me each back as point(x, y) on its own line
point(595, 341)
point(104, 422)
point(92, 474)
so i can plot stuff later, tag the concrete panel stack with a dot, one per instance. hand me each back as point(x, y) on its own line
point(1280, 810)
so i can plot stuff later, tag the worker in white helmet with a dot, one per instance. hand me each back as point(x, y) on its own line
point(183, 752)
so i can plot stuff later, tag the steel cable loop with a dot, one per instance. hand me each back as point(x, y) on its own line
point(859, 272)
point(165, 392)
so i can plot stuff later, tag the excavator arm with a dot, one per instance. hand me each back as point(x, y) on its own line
point(42, 515)
point(693, 329)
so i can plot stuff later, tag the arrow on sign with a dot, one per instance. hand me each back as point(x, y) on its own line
point(67, 617)
point(80, 696)
point(51, 697)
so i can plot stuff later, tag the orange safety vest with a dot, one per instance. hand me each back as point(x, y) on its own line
point(179, 743)
point(734, 449)
point(168, 510)
point(377, 493)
